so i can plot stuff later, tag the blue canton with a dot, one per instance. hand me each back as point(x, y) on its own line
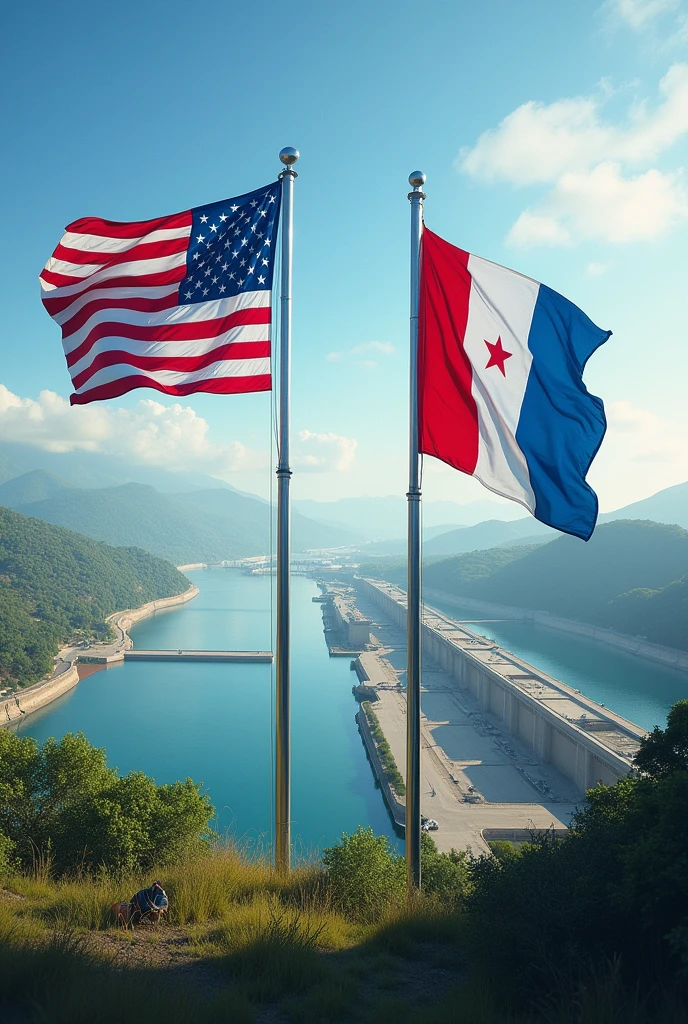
point(232, 246)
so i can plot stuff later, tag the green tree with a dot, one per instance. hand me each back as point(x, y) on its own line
point(63, 798)
point(615, 890)
point(666, 750)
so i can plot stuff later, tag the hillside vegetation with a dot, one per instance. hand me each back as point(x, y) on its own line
point(54, 583)
point(622, 579)
point(631, 576)
point(589, 929)
point(204, 525)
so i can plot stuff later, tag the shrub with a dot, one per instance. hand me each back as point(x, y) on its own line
point(389, 765)
point(445, 876)
point(364, 875)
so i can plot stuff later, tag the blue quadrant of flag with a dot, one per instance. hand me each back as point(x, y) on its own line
point(232, 246)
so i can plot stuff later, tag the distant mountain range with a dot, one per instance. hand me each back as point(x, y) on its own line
point(667, 506)
point(381, 519)
point(490, 534)
point(207, 526)
point(197, 517)
point(91, 469)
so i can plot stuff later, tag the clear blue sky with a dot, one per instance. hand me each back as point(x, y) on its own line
point(135, 110)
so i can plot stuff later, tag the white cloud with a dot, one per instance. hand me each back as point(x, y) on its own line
point(173, 437)
point(641, 454)
point(638, 14)
point(384, 348)
point(645, 437)
point(597, 269)
point(325, 452)
point(599, 189)
point(601, 204)
point(537, 141)
point(533, 228)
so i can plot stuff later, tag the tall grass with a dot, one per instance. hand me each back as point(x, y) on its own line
point(200, 889)
point(275, 941)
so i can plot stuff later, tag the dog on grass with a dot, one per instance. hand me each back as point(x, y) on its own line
point(148, 905)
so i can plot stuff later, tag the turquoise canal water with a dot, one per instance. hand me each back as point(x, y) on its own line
point(636, 688)
point(214, 723)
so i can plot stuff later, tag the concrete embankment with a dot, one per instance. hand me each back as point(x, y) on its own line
point(123, 621)
point(671, 656)
point(66, 674)
point(37, 696)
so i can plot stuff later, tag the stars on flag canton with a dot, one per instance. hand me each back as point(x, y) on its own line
point(232, 247)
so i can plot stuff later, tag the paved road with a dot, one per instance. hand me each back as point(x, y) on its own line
point(462, 746)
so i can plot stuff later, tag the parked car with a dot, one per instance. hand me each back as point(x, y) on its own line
point(429, 825)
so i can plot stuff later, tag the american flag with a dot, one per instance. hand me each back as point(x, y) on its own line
point(179, 304)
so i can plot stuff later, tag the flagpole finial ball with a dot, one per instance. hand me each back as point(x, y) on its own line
point(289, 155)
point(416, 179)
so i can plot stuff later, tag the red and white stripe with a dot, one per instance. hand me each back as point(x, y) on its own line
point(114, 290)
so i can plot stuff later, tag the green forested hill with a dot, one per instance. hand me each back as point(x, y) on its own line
point(36, 485)
point(631, 576)
point(577, 580)
point(201, 526)
point(661, 615)
point(54, 582)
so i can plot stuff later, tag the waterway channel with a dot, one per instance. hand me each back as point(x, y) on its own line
point(214, 722)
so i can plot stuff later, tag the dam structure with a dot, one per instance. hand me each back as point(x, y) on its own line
point(582, 740)
point(236, 657)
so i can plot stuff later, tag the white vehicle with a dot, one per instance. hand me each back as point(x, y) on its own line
point(429, 825)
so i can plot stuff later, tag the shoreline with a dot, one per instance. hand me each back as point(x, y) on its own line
point(673, 657)
point(66, 674)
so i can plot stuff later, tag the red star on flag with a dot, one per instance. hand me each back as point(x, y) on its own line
point(498, 355)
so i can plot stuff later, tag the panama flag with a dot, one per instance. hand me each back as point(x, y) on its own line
point(500, 384)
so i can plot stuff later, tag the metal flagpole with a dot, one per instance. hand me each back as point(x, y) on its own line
point(288, 156)
point(413, 618)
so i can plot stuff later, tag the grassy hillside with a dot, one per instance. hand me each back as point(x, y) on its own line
point(588, 929)
point(54, 583)
point(199, 526)
point(625, 577)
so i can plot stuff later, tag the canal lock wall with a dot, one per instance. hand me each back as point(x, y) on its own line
point(670, 656)
point(578, 753)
